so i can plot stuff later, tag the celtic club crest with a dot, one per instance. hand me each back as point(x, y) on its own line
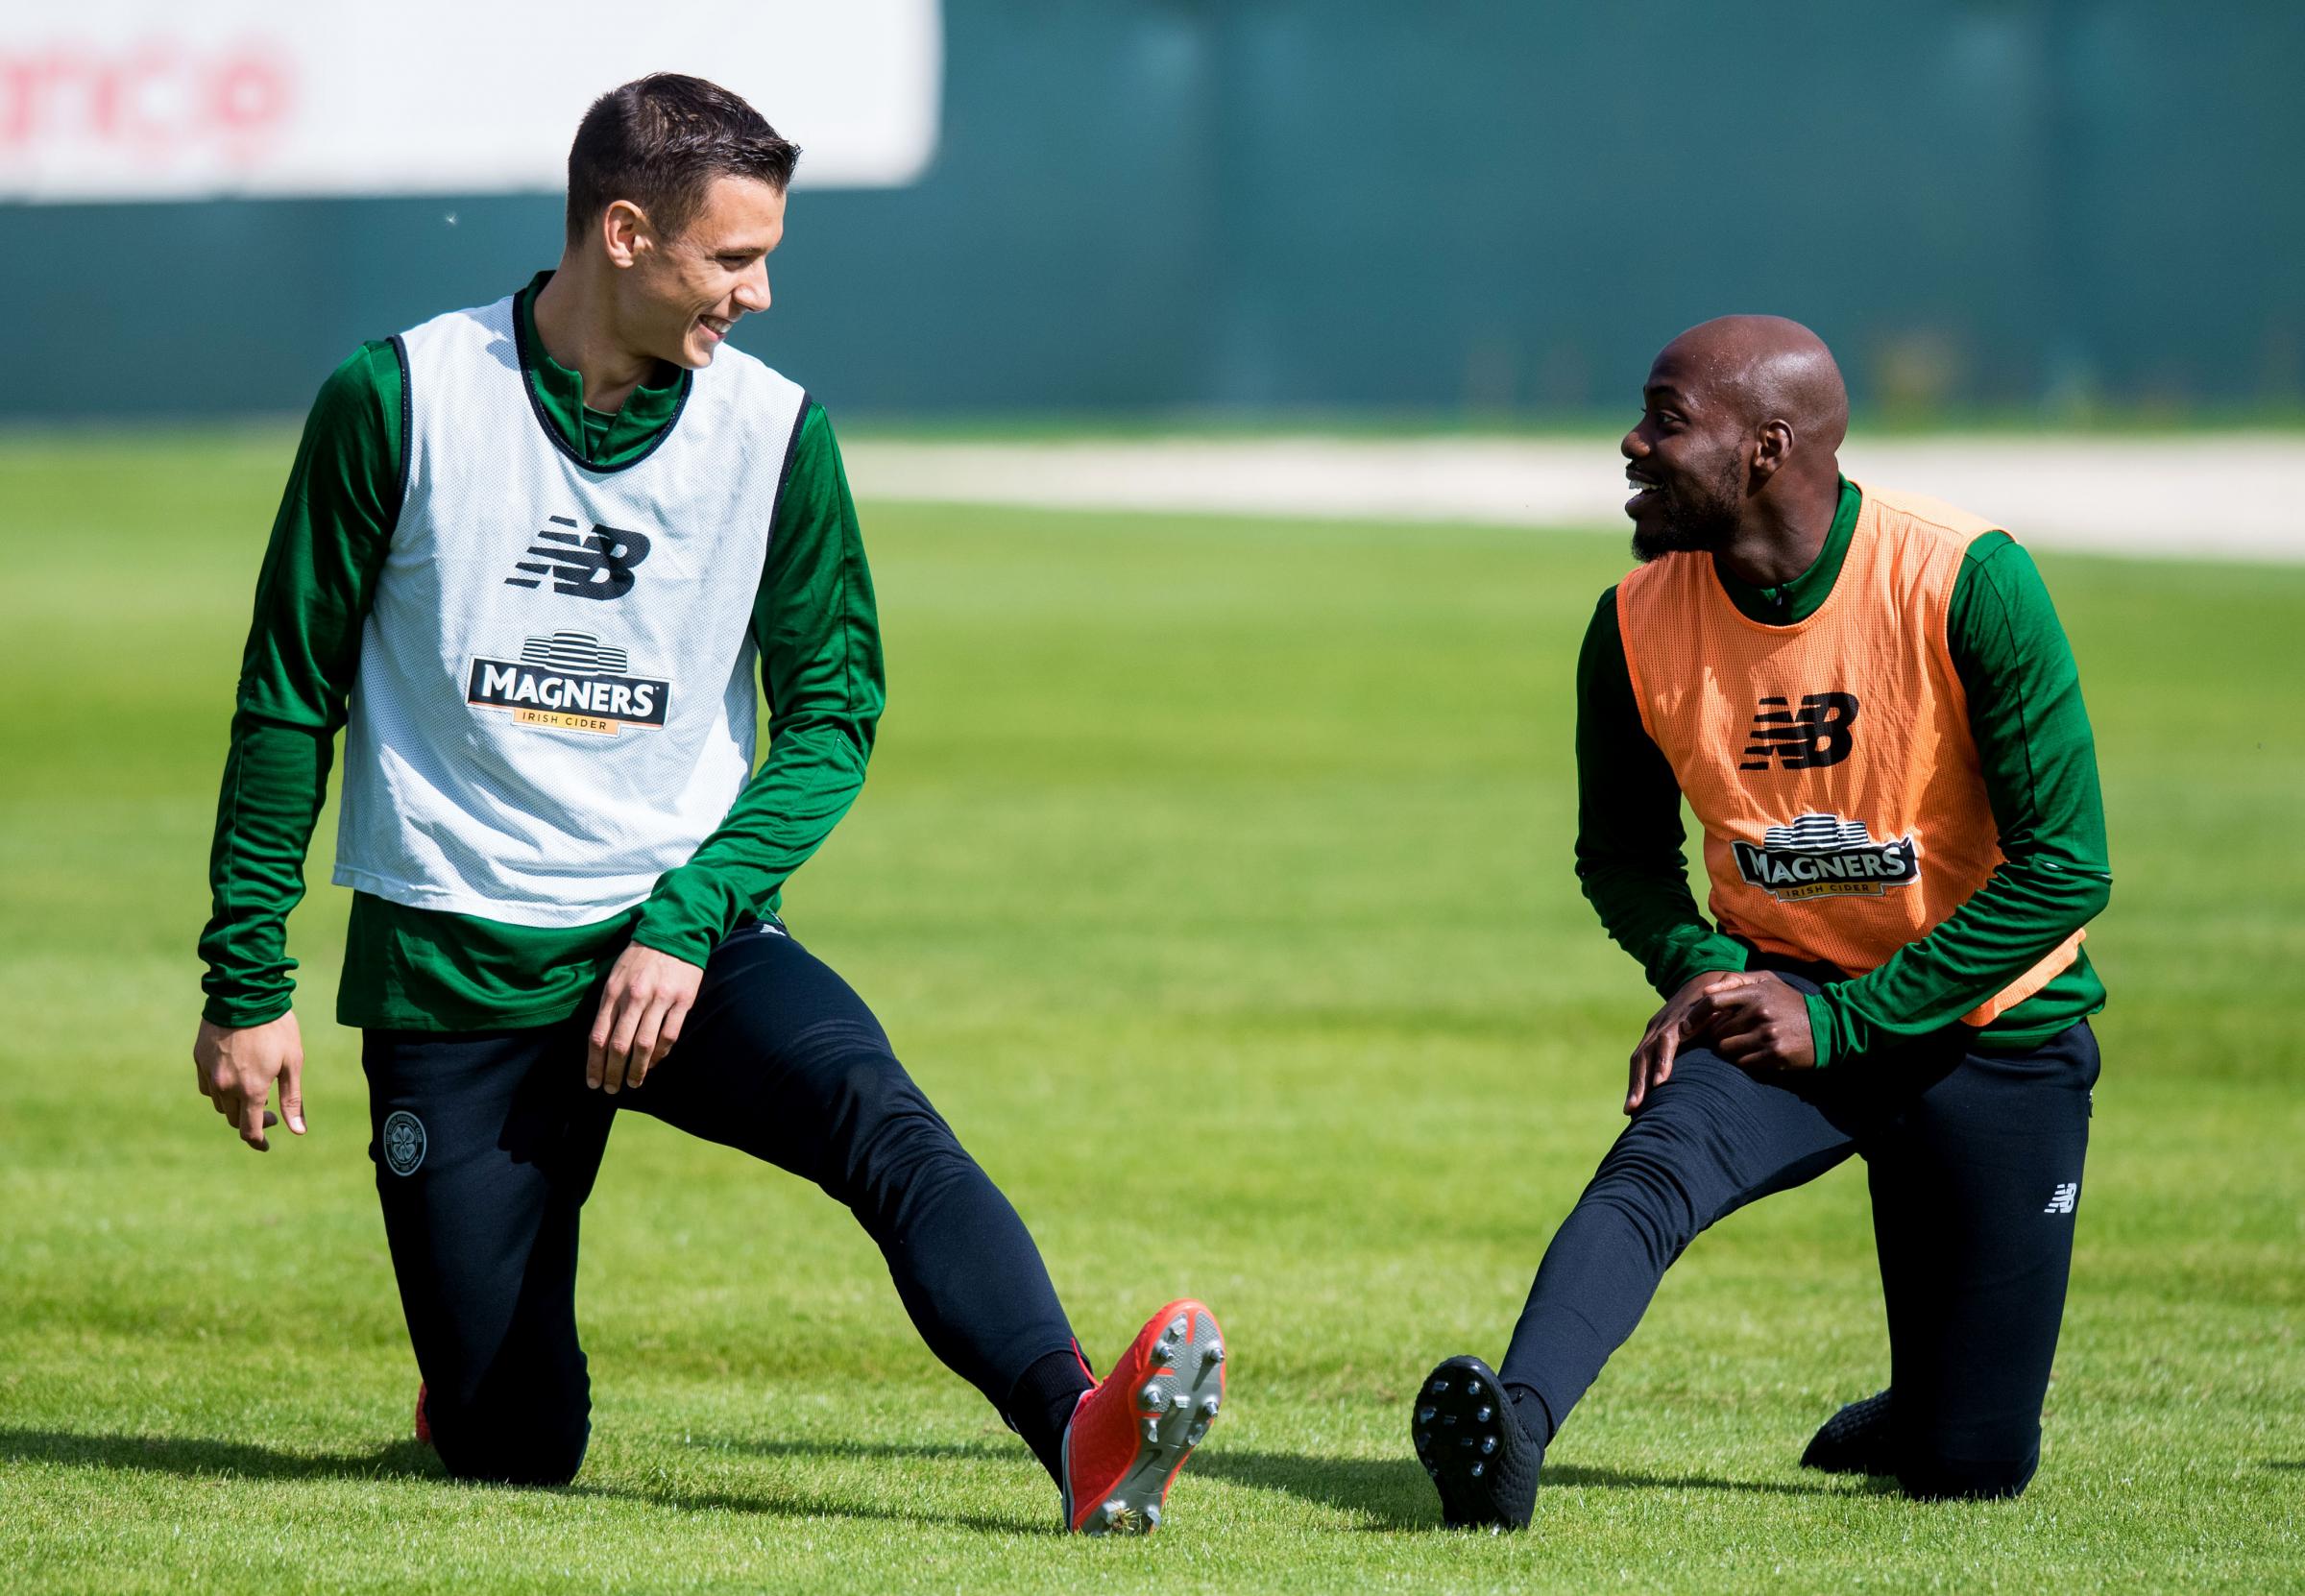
point(404, 1142)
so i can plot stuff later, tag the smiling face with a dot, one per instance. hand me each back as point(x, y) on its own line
point(678, 296)
point(1687, 459)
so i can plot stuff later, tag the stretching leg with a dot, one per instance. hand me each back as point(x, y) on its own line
point(781, 1059)
point(1705, 1143)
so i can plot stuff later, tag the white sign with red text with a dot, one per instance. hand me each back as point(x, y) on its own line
point(164, 100)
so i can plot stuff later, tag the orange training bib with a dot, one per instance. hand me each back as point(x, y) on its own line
point(1828, 762)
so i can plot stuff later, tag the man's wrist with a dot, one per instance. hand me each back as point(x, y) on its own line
point(1823, 1028)
point(689, 945)
point(1714, 955)
point(242, 1013)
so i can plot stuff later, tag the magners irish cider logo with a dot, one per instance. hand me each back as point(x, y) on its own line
point(1822, 856)
point(572, 681)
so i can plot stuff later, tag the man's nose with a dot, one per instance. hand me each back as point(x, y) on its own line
point(752, 294)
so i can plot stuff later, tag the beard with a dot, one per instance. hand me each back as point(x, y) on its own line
point(1694, 517)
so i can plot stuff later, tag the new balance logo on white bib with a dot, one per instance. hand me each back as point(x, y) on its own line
point(555, 699)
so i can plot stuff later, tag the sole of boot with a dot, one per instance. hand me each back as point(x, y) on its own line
point(1473, 1449)
point(1174, 1407)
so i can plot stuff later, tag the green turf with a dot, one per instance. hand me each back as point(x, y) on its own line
point(1213, 878)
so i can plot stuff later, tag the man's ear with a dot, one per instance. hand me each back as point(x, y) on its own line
point(1772, 447)
point(625, 234)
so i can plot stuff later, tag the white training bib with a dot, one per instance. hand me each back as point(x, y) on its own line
point(556, 701)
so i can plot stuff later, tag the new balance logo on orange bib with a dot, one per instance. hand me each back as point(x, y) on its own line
point(1827, 836)
point(1819, 735)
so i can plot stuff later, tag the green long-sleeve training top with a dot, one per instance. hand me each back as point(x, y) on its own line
point(812, 621)
point(2039, 761)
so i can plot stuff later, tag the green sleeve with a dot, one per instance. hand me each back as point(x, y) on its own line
point(2039, 761)
point(1629, 835)
point(329, 541)
point(820, 644)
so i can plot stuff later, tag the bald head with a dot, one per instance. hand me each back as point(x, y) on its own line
point(1766, 369)
point(1738, 443)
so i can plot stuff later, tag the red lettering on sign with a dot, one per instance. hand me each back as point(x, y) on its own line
point(247, 94)
point(155, 99)
point(124, 96)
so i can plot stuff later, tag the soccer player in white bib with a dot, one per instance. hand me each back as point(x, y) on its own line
point(532, 557)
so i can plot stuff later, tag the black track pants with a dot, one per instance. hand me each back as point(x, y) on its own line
point(486, 1144)
point(1975, 1165)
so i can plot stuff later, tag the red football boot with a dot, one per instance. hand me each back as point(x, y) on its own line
point(1131, 1434)
point(423, 1425)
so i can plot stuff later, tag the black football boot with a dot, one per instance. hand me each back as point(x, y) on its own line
point(1470, 1441)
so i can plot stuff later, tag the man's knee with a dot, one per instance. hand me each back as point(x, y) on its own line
point(887, 1140)
point(1654, 1175)
point(875, 1104)
point(1934, 1477)
point(527, 1431)
point(488, 1449)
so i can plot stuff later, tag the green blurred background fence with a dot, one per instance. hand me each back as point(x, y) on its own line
point(1472, 208)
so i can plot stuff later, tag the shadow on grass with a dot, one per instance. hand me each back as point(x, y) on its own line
point(1395, 1495)
point(192, 1456)
point(1392, 1492)
point(196, 1458)
point(772, 1447)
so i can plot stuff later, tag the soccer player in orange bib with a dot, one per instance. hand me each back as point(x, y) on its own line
point(1869, 705)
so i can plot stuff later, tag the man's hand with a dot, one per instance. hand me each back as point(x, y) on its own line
point(650, 994)
point(1760, 1024)
point(1685, 1018)
point(237, 1070)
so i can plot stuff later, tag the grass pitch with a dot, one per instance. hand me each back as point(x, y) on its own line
point(1213, 877)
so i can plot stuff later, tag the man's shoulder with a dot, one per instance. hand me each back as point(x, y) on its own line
point(361, 397)
point(1604, 643)
point(1931, 516)
point(1994, 548)
point(373, 365)
point(1997, 579)
point(494, 316)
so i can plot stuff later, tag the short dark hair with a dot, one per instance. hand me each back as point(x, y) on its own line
point(659, 141)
